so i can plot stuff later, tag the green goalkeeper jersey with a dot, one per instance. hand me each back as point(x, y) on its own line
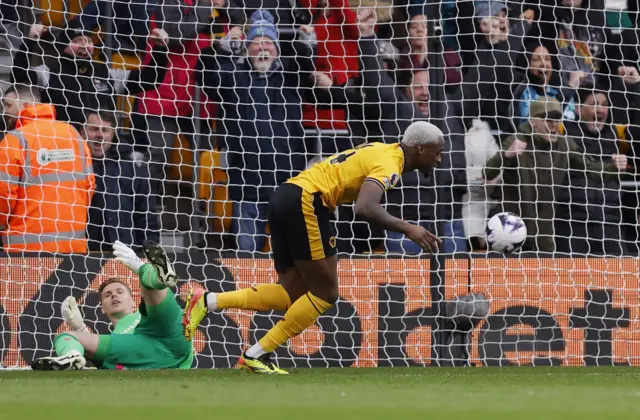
point(127, 324)
point(150, 338)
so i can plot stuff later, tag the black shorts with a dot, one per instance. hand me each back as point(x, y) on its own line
point(301, 227)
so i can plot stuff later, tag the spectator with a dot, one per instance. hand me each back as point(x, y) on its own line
point(543, 79)
point(488, 75)
point(10, 24)
point(46, 182)
point(336, 28)
point(129, 20)
point(580, 37)
point(280, 10)
point(74, 80)
point(486, 96)
point(161, 114)
point(414, 54)
point(400, 105)
point(479, 146)
point(122, 208)
point(260, 109)
point(589, 215)
point(533, 164)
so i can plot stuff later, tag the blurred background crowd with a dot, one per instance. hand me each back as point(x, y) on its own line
point(193, 111)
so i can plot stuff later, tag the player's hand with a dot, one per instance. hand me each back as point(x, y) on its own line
point(421, 236)
point(620, 162)
point(516, 148)
point(72, 315)
point(159, 37)
point(127, 256)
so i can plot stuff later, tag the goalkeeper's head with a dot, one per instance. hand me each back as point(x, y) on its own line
point(116, 298)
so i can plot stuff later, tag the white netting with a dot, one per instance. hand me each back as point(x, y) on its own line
point(194, 110)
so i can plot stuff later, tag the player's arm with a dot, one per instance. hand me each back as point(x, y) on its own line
point(368, 206)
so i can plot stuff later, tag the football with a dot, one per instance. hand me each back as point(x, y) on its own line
point(505, 233)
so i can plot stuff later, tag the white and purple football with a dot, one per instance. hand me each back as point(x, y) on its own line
point(505, 233)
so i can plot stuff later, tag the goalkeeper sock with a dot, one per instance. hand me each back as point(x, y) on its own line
point(149, 278)
point(260, 298)
point(302, 314)
point(66, 343)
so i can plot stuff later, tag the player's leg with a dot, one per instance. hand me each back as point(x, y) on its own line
point(314, 254)
point(160, 315)
point(71, 349)
point(156, 276)
point(321, 279)
point(263, 297)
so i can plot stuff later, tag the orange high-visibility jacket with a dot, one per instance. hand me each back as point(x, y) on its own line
point(46, 184)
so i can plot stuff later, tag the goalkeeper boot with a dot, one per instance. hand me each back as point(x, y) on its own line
point(262, 365)
point(70, 361)
point(195, 310)
point(160, 261)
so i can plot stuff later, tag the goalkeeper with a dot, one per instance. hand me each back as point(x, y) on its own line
point(303, 241)
point(150, 338)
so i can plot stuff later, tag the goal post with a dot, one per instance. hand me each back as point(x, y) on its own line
point(194, 111)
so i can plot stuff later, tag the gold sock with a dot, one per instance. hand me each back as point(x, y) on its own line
point(260, 298)
point(302, 314)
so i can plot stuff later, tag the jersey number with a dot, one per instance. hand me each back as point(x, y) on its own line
point(342, 157)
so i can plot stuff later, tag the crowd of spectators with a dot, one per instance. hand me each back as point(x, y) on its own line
point(538, 102)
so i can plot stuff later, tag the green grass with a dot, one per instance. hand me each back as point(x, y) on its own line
point(327, 394)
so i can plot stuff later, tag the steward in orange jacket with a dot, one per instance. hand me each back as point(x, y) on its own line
point(46, 182)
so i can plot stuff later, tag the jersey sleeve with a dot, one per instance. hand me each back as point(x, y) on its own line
point(385, 171)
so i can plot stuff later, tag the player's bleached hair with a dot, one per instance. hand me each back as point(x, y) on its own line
point(422, 133)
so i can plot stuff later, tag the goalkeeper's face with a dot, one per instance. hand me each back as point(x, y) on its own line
point(116, 301)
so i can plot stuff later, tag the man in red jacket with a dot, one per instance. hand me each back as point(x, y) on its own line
point(336, 28)
point(164, 113)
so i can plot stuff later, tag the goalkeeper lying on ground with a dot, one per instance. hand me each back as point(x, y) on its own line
point(150, 338)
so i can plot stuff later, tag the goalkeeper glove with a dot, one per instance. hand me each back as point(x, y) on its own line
point(72, 315)
point(127, 256)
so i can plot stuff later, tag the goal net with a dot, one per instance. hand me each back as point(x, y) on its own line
point(194, 111)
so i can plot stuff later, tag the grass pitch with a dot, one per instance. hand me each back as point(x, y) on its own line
point(327, 394)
